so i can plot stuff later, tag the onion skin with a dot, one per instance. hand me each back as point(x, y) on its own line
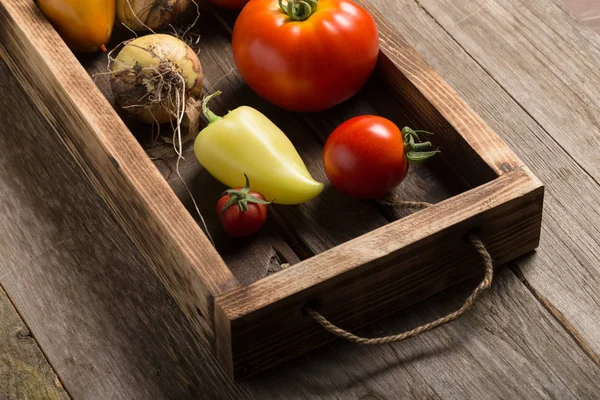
point(135, 71)
point(85, 26)
point(142, 15)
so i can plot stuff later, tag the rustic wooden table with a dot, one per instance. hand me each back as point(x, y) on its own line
point(528, 67)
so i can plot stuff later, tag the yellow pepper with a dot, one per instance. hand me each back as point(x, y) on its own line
point(84, 25)
point(245, 141)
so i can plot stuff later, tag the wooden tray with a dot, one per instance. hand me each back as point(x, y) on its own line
point(355, 261)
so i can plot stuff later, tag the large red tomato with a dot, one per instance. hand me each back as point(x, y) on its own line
point(309, 57)
point(367, 156)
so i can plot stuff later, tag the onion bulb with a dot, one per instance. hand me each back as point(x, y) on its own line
point(142, 15)
point(154, 77)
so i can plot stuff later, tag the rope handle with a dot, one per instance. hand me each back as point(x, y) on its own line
point(485, 284)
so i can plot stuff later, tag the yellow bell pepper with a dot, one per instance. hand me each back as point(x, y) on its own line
point(246, 142)
point(84, 25)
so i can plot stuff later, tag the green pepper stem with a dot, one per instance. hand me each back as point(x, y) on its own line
point(209, 115)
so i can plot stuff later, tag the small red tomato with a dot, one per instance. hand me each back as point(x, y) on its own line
point(242, 211)
point(367, 156)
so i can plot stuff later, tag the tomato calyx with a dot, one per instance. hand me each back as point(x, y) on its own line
point(241, 197)
point(208, 114)
point(299, 10)
point(415, 149)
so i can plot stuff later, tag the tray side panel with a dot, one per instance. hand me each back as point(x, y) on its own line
point(470, 147)
point(380, 273)
point(142, 202)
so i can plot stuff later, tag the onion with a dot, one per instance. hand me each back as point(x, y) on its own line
point(141, 15)
point(155, 76)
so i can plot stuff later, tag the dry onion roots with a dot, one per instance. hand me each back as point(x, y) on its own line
point(154, 76)
point(158, 79)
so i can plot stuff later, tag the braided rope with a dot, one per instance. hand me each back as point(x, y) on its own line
point(415, 205)
point(485, 284)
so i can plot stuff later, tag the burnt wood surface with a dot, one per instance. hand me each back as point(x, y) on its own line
point(525, 336)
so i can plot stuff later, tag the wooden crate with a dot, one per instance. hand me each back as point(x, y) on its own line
point(354, 261)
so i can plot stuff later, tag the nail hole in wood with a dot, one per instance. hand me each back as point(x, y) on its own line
point(313, 304)
point(474, 231)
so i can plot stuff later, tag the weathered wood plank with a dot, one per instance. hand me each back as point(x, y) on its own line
point(104, 321)
point(112, 331)
point(338, 217)
point(375, 275)
point(565, 270)
point(547, 74)
point(248, 259)
point(175, 247)
point(478, 367)
point(586, 10)
point(508, 347)
point(351, 217)
point(24, 371)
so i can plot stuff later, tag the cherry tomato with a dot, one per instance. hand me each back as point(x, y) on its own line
point(304, 55)
point(242, 211)
point(367, 156)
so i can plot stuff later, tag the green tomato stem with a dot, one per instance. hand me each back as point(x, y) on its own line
point(298, 10)
point(242, 197)
point(421, 146)
point(416, 150)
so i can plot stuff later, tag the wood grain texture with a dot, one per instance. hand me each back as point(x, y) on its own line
point(374, 219)
point(525, 110)
point(105, 322)
point(423, 90)
point(175, 247)
point(588, 11)
point(503, 349)
point(377, 274)
point(112, 331)
point(24, 371)
point(533, 46)
point(512, 357)
point(335, 227)
point(248, 259)
point(337, 217)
